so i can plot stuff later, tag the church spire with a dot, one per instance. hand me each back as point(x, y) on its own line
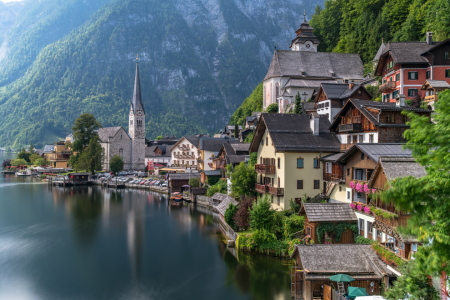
point(137, 99)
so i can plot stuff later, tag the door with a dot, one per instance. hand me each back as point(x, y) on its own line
point(296, 283)
point(326, 292)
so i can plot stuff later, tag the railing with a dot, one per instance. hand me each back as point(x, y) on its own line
point(431, 98)
point(350, 127)
point(67, 152)
point(276, 191)
point(388, 86)
point(265, 169)
point(334, 177)
point(261, 188)
point(394, 222)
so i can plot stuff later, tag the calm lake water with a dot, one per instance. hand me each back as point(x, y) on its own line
point(98, 243)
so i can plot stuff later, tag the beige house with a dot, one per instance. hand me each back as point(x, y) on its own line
point(185, 152)
point(289, 148)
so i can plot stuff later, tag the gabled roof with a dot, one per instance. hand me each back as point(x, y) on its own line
point(332, 157)
point(108, 132)
point(194, 140)
point(306, 83)
point(364, 105)
point(235, 159)
point(226, 201)
point(328, 212)
point(251, 119)
point(245, 147)
point(292, 132)
point(397, 167)
point(340, 91)
point(321, 65)
point(214, 144)
point(374, 151)
point(435, 84)
point(379, 52)
point(322, 261)
point(48, 148)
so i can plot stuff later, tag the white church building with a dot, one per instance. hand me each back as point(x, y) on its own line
point(129, 146)
point(302, 69)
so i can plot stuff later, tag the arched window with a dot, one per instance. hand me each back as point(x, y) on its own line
point(277, 90)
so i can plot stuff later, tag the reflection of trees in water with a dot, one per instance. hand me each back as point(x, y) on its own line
point(260, 276)
point(86, 208)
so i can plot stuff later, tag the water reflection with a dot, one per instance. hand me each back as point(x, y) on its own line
point(98, 243)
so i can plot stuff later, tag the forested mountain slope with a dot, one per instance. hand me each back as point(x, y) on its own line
point(355, 26)
point(198, 60)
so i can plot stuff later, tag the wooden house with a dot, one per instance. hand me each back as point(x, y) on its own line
point(362, 121)
point(316, 263)
point(387, 169)
point(334, 178)
point(432, 89)
point(178, 180)
point(317, 214)
point(79, 178)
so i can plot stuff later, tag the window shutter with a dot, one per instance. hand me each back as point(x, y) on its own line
point(409, 92)
point(397, 77)
point(409, 75)
point(299, 184)
point(416, 76)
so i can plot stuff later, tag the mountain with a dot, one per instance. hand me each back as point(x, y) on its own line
point(9, 13)
point(198, 60)
point(251, 104)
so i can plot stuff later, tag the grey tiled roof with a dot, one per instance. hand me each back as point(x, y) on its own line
point(398, 166)
point(315, 64)
point(374, 151)
point(183, 176)
point(358, 261)
point(438, 83)
point(105, 133)
point(408, 52)
point(380, 51)
point(332, 157)
point(241, 147)
point(292, 132)
point(214, 144)
point(213, 173)
point(329, 212)
point(48, 148)
point(235, 159)
point(306, 83)
point(225, 202)
point(194, 140)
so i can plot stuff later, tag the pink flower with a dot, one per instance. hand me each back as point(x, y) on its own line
point(352, 184)
point(352, 205)
point(366, 189)
point(359, 187)
point(374, 190)
point(359, 207)
point(366, 210)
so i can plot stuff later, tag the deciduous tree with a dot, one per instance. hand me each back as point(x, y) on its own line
point(84, 128)
point(243, 178)
point(262, 216)
point(272, 108)
point(242, 215)
point(116, 164)
point(91, 158)
point(23, 154)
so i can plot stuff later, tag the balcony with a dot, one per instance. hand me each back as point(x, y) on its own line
point(431, 98)
point(265, 169)
point(350, 127)
point(261, 188)
point(393, 222)
point(335, 178)
point(276, 191)
point(388, 86)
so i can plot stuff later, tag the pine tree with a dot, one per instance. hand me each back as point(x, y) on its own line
point(298, 105)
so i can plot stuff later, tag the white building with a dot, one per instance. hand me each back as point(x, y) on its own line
point(185, 152)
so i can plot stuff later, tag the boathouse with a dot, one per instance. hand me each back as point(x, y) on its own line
point(79, 178)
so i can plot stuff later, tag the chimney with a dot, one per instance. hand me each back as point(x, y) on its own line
point(430, 38)
point(351, 85)
point(400, 100)
point(314, 123)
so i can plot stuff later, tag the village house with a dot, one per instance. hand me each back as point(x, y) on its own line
point(209, 150)
point(231, 154)
point(432, 89)
point(158, 156)
point(315, 264)
point(405, 66)
point(387, 218)
point(362, 121)
point(334, 178)
point(185, 152)
point(178, 182)
point(326, 215)
point(60, 155)
point(302, 70)
point(289, 148)
point(331, 97)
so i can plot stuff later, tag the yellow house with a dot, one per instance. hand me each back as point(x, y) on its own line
point(59, 157)
point(289, 148)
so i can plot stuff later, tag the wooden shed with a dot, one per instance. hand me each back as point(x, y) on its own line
point(79, 178)
point(317, 214)
point(316, 263)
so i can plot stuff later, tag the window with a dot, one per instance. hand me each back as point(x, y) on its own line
point(361, 138)
point(278, 200)
point(349, 139)
point(299, 163)
point(316, 163)
point(267, 141)
point(427, 75)
point(328, 168)
point(446, 55)
point(447, 73)
point(261, 160)
point(413, 75)
point(359, 174)
point(348, 195)
point(390, 79)
point(397, 77)
point(316, 184)
point(299, 184)
point(369, 227)
point(308, 231)
point(277, 90)
point(370, 138)
point(361, 224)
point(362, 155)
point(415, 92)
point(414, 247)
point(340, 188)
point(279, 163)
point(120, 136)
point(389, 118)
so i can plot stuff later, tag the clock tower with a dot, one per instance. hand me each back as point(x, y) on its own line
point(305, 39)
point(136, 125)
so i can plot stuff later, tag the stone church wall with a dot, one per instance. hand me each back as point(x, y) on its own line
point(121, 141)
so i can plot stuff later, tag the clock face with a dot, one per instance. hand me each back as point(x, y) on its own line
point(308, 46)
point(139, 113)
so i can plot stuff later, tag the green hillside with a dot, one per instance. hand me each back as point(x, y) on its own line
point(251, 104)
point(198, 60)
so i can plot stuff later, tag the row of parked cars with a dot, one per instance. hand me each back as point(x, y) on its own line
point(149, 182)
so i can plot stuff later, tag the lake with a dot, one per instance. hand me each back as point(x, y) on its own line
point(99, 243)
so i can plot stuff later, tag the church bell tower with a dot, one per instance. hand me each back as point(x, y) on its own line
point(305, 39)
point(136, 126)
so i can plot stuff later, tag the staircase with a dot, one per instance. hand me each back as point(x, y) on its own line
point(341, 288)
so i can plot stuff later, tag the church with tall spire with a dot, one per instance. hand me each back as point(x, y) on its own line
point(130, 146)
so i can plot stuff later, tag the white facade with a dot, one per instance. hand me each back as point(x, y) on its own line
point(324, 108)
point(366, 219)
point(363, 137)
point(185, 154)
point(159, 160)
point(307, 46)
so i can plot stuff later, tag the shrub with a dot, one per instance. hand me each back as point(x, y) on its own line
point(194, 182)
point(264, 236)
point(242, 215)
point(272, 108)
point(362, 240)
point(212, 180)
point(219, 187)
point(293, 224)
point(43, 176)
point(162, 172)
point(292, 244)
point(229, 216)
point(262, 216)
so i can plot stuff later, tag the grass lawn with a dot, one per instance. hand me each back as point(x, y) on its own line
point(245, 232)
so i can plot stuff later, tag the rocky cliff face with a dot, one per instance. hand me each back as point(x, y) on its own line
point(198, 58)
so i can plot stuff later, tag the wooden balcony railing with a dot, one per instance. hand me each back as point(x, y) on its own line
point(431, 98)
point(261, 188)
point(394, 222)
point(350, 127)
point(335, 178)
point(265, 169)
point(276, 191)
point(388, 86)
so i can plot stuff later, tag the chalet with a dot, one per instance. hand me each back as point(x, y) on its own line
point(158, 154)
point(252, 121)
point(432, 89)
point(319, 214)
point(331, 97)
point(289, 148)
point(59, 157)
point(360, 162)
point(405, 66)
point(315, 264)
point(334, 178)
point(388, 218)
point(302, 69)
point(231, 154)
point(362, 121)
point(209, 150)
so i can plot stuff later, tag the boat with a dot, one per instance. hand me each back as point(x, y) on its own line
point(176, 197)
point(23, 173)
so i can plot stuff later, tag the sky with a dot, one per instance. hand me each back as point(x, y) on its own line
point(9, 0)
